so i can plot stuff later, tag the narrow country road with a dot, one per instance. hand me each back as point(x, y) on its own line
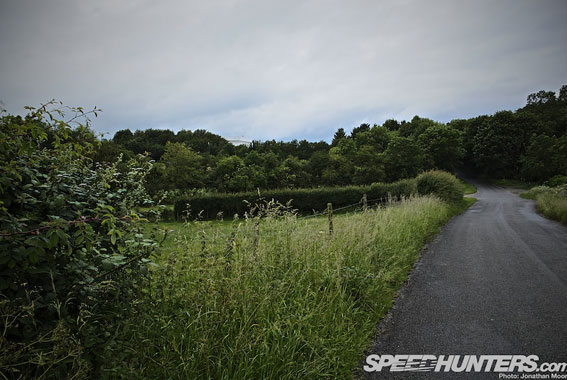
point(493, 282)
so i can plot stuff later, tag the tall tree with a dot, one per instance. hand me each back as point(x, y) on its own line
point(339, 135)
point(443, 146)
point(497, 146)
point(391, 125)
point(403, 158)
point(360, 129)
point(541, 97)
point(183, 167)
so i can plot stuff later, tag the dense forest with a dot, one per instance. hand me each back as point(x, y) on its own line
point(529, 143)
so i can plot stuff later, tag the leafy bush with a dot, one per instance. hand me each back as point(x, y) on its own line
point(556, 180)
point(442, 184)
point(304, 200)
point(72, 252)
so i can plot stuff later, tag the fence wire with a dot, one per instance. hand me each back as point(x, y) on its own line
point(369, 203)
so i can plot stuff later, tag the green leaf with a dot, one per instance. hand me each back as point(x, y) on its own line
point(80, 240)
point(33, 256)
point(53, 240)
point(34, 241)
point(62, 235)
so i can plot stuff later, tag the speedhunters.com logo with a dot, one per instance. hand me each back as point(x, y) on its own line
point(509, 366)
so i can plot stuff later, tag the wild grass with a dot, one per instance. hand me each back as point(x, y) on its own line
point(468, 187)
point(553, 206)
point(277, 297)
point(550, 201)
point(535, 191)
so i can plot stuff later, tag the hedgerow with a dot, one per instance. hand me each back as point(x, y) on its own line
point(72, 254)
point(306, 201)
point(442, 184)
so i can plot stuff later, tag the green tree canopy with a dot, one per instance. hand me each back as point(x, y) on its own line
point(403, 158)
point(443, 146)
point(183, 166)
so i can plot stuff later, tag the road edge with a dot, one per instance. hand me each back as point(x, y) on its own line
point(386, 322)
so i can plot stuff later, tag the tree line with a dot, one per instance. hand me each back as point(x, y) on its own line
point(529, 143)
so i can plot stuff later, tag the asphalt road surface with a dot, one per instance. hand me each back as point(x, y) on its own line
point(493, 282)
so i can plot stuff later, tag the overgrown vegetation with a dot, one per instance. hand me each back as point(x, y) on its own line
point(441, 184)
point(535, 191)
point(553, 205)
point(468, 187)
point(550, 201)
point(557, 180)
point(73, 258)
point(268, 295)
point(272, 296)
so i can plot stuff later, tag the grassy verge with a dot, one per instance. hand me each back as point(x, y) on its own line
point(553, 206)
point(535, 191)
point(459, 207)
point(550, 201)
point(296, 303)
point(468, 187)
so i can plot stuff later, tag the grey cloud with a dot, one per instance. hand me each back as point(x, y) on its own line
point(267, 69)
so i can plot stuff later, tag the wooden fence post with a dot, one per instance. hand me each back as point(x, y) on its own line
point(330, 214)
point(364, 202)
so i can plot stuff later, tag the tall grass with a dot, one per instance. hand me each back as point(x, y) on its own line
point(535, 191)
point(297, 303)
point(553, 206)
point(550, 201)
point(468, 187)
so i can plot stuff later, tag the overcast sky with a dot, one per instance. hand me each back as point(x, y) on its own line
point(279, 69)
